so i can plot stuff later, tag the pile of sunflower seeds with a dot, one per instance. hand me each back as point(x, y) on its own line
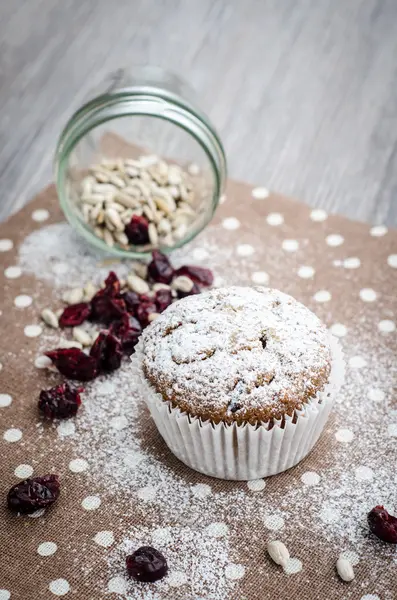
point(163, 194)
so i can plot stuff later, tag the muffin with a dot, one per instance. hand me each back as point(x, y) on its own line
point(239, 381)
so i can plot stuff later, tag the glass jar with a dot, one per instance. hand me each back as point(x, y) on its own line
point(144, 128)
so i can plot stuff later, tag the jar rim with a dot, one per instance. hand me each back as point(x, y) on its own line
point(130, 101)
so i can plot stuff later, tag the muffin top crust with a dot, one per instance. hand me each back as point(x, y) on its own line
point(237, 354)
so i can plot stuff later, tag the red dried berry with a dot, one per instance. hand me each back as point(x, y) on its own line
point(74, 364)
point(163, 299)
point(127, 330)
point(195, 290)
point(160, 268)
point(137, 230)
point(146, 564)
point(107, 352)
point(196, 274)
point(107, 309)
point(75, 314)
point(131, 300)
point(383, 525)
point(31, 494)
point(143, 311)
point(60, 402)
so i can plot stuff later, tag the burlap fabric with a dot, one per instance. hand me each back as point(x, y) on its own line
point(357, 451)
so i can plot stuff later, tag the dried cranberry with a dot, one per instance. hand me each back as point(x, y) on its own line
point(146, 564)
point(383, 525)
point(128, 331)
point(60, 402)
point(195, 290)
point(163, 299)
point(31, 494)
point(107, 352)
point(160, 268)
point(75, 314)
point(73, 363)
point(112, 285)
point(106, 309)
point(131, 300)
point(197, 274)
point(137, 230)
point(143, 311)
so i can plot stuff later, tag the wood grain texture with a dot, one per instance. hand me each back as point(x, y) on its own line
point(303, 92)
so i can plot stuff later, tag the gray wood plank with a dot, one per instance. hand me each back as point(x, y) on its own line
point(304, 92)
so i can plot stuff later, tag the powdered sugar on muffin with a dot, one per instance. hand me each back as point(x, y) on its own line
point(237, 354)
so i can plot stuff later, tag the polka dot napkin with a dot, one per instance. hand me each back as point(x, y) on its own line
point(121, 487)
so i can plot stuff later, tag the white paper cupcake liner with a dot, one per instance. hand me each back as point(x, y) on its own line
point(243, 452)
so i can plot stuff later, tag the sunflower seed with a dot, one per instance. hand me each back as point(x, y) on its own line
point(108, 238)
point(101, 217)
point(140, 269)
point(174, 176)
point(114, 217)
point(98, 232)
point(345, 569)
point(138, 285)
point(117, 181)
point(73, 296)
point(148, 160)
point(148, 212)
point(164, 227)
point(69, 344)
point(278, 552)
point(101, 176)
point(92, 198)
point(81, 336)
point(153, 317)
point(50, 318)
point(182, 284)
point(121, 238)
point(153, 235)
point(160, 286)
point(132, 171)
point(180, 232)
point(126, 200)
point(89, 291)
point(86, 210)
point(87, 185)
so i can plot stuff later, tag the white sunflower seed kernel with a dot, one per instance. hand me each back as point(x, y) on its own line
point(50, 318)
point(344, 569)
point(153, 317)
point(140, 269)
point(89, 291)
point(114, 217)
point(138, 285)
point(164, 227)
point(108, 238)
point(98, 232)
point(74, 296)
point(160, 286)
point(278, 552)
point(121, 238)
point(153, 235)
point(182, 284)
point(80, 335)
point(148, 212)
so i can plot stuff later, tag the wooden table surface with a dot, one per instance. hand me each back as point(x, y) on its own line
point(303, 92)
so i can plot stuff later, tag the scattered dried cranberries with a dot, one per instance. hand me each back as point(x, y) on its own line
point(160, 268)
point(74, 364)
point(128, 330)
point(146, 308)
point(31, 494)
point(75, 314)
point(146, 564)
point(383, 525)
point(107, 352)
point(163, 299)
point(137, 230)
point(60, 402)
point(196, 274)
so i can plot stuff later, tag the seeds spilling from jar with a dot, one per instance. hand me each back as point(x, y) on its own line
point(145, 203)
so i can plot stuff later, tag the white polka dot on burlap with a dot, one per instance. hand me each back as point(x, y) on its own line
point(200, 254)
point(5, 594)
point(217, 530)
point(392, 261)
point(370, 597)
point(260, 193)
point(306, 272)
point(318, 215)
point(117, 585)
point(231, 223)
point(363, 473)
point(104, 538)
point(392, 430)
point(322, 296)
point(33, 331)
point(290, 245)
point(12, 435)
point(40, 215)
point(256, 485)
point(234, 572)
point(78, 465)
point(23, 471)
point(292, 566)
point(328, 514)
point(275, 219)
point(376, 395)
point(147, 493)
point(245, 250)
point(334, 239)
point(201, 490)
point(310, 478)
point(6, 245)
point(352, 263)
point(273, 522)
point(13, 272)
point(368, 295)
point(47, 548)
point(378, 231)
point(176, 579)
point(344, 435)
point(59, 587)
point(91, 502)
point(351, 556)
point(5, 400)
point(66, 428)
point(260, 278)
point(386, 326)
point(23, 301)
point(338, 329)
